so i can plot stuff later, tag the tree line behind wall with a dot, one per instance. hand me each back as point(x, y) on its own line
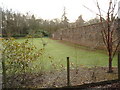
point(19, 25)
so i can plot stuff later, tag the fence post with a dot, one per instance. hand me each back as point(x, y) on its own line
point(118, 32)
point(68, 72)
point(119, 65)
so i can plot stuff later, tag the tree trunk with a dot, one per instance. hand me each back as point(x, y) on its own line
point(110, 65)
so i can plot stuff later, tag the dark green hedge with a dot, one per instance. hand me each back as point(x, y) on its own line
point(21, 35)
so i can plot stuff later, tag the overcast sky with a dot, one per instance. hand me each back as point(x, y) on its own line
point(50, 9)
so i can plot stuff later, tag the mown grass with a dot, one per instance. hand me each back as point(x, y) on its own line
point(79, 55)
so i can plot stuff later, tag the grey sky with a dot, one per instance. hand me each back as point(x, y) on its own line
point(50, 9)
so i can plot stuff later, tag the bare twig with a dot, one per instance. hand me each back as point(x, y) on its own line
point(116, 49)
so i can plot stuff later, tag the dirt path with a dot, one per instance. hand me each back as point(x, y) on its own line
point(78, 46)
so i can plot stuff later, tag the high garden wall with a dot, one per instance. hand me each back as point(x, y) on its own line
point(89, 35)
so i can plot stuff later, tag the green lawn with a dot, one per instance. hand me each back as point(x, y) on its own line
point(78, 55)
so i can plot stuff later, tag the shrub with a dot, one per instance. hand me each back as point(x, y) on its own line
point(19, 56)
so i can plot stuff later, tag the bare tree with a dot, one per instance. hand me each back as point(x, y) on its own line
point(108, 31)
point(80, 21)
point(64, 19)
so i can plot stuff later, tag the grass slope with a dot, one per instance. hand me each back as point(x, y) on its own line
point(78, 55)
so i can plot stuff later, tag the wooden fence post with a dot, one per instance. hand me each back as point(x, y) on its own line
point(119, 65)
point(118, 32)
point(68, 72)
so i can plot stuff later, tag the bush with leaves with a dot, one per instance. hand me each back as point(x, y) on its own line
point(19, 57)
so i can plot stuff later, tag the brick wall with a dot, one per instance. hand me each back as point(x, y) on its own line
point(89, 35)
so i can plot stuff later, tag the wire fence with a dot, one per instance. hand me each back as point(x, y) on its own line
point(60, 77)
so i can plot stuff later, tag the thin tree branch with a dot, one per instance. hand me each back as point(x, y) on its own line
point(116, 49)
point(91, 10)
point(105, 39)
point(116, 39)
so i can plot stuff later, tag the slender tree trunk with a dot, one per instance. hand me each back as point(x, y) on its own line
point(109, 41)
point(110, 56)
point(110, 64)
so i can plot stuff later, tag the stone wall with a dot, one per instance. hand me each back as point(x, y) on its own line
point(89, 35)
